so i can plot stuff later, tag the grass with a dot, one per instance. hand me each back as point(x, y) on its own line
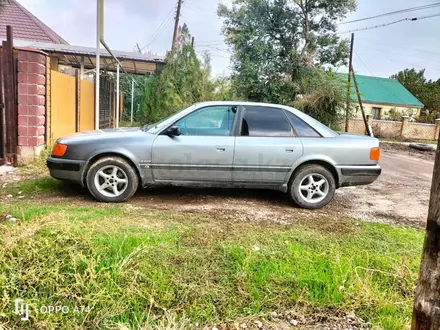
point(411, 141)
point(127, 123)
point(143, 269)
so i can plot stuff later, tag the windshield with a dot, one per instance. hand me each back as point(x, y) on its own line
point(155, 128)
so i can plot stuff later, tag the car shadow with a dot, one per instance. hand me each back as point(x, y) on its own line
point(181, 195)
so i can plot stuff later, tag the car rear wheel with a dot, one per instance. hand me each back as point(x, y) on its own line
point(112, 179)
point(312, 187)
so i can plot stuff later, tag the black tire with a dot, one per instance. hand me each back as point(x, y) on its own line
point(125, 172)
point(318, 172)
point(422, 147)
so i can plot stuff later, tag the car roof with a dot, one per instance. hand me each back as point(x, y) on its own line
point(318, 126)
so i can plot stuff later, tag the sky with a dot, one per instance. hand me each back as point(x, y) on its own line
point(149, 23)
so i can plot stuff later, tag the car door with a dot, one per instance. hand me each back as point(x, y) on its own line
point(202, 152)
point(265, 147)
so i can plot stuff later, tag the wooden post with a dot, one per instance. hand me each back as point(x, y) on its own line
point(367, 127)
point(350, 66)
point(176, 24)
point(426, 310)
point(2, 116)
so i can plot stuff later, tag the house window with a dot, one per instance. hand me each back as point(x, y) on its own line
point(376, 112)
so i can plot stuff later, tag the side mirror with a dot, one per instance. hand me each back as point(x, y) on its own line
point(173, 131)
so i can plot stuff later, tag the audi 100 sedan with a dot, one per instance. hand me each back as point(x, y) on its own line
point(220, 144)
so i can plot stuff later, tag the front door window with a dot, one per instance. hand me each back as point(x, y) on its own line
point(209, 121)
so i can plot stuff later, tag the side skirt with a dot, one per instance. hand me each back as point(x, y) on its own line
point(218, 184)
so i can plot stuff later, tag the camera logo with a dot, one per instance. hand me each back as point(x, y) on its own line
point(22, 309)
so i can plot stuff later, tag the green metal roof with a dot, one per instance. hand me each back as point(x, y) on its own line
point(382, 90)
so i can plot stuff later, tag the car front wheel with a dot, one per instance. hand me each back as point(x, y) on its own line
point(112, 179)
point(312, 187)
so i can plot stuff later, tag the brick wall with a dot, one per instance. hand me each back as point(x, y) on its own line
point(31, 102)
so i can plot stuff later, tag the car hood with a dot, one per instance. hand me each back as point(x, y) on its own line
point(103, 134)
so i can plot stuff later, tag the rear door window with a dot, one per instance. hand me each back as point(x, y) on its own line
point(265, 121)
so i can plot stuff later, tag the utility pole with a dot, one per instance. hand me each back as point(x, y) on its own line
point(176, 24)
point(347, 117)
point(138, 48)
point(426, 310)
point(367, 127)
point(192, 42)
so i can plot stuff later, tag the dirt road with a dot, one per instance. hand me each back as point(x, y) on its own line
point(399, 196)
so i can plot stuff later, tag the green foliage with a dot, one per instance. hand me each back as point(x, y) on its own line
point(139, 94)
point(427, 91)
point(395, 115)
point(325, 97)
point(277, 43)
point(184, 80)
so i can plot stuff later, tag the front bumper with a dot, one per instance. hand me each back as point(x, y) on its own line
point(358, 175)
point(66, 169)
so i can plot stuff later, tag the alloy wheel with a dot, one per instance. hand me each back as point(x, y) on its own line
point(111, 181)
point(313, 188)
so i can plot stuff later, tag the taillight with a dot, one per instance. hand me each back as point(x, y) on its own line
point(59, 150)
point(375, 153)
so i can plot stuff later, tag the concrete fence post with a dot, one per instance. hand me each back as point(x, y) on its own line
point(370, 123)
point(405, 120)
point(437, 129)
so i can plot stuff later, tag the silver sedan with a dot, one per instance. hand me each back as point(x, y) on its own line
point(220, 144)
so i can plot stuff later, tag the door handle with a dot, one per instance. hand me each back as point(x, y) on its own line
point(221, 149)
point(289, 150)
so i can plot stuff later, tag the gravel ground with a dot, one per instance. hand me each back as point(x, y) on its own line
point(304, 319)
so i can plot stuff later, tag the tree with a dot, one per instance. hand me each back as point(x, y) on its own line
point(184, 80)
point(139, 93)
point(325, 96)
point(413, 80)
point(426, 311)
point(277, 42)
point(428, 92)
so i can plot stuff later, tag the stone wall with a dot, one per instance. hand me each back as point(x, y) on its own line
point(31, 102)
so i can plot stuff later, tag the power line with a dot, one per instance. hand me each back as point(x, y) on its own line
point(377, 80)
point(394, 13)
point(397, 61)
point(163, 25)
point(394, 46)
point(406, 55)
point(391, 23)
point(366, 67)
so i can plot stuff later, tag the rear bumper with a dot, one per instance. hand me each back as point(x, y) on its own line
point(66, 169)
point(357, 175)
